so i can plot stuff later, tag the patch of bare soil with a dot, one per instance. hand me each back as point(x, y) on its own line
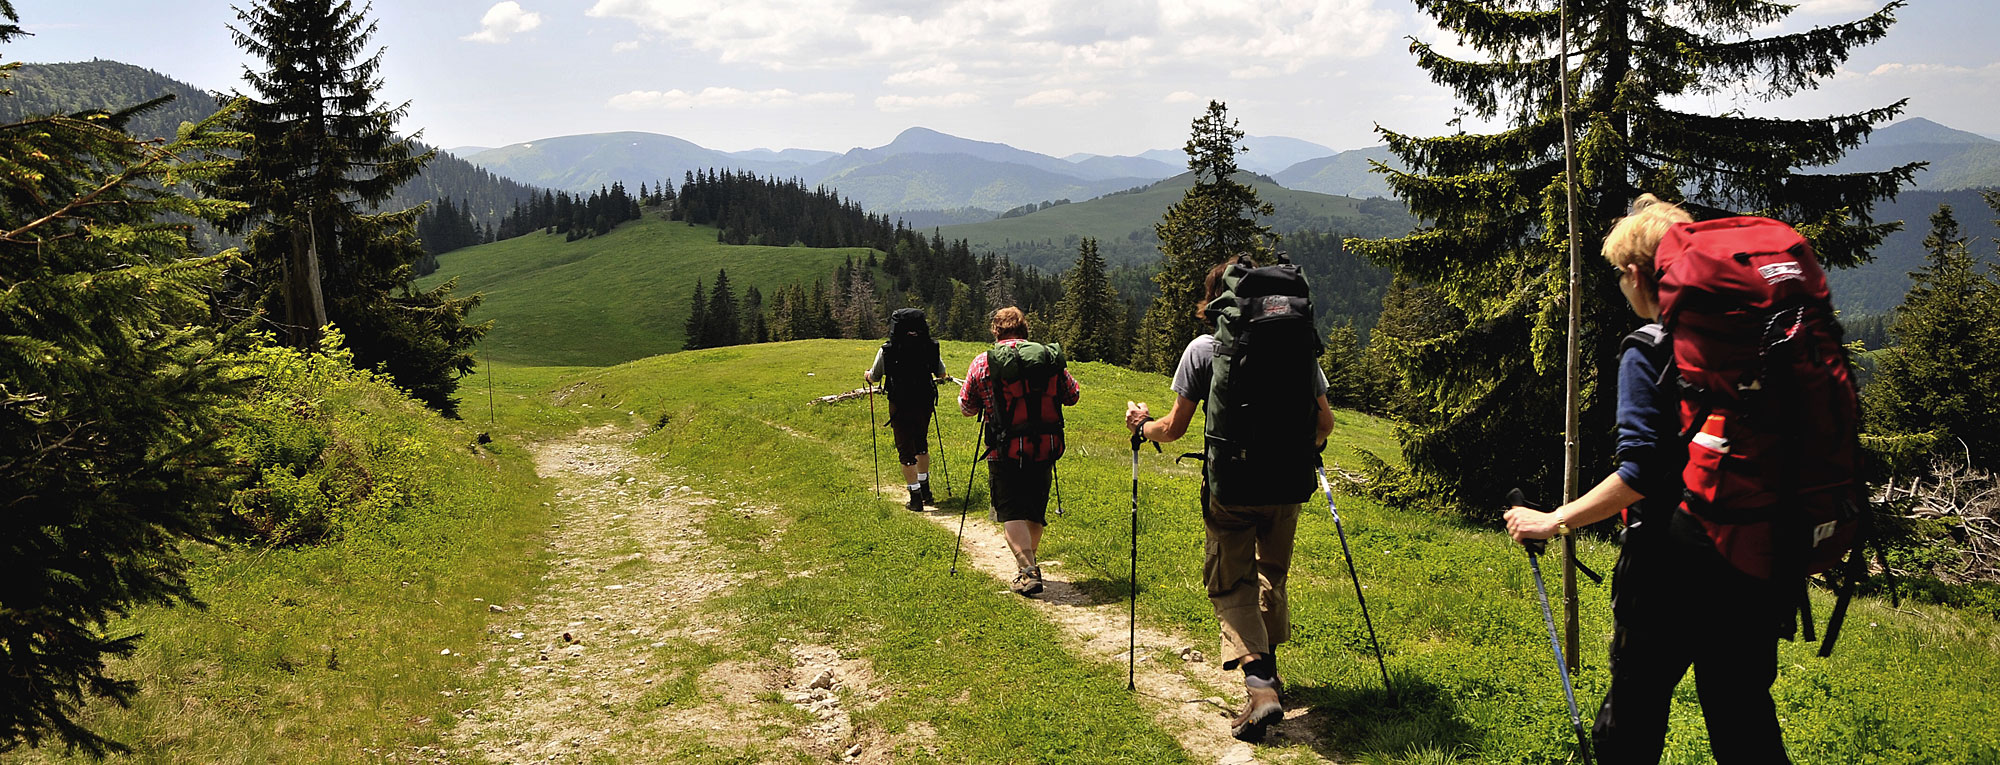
point(592, 668)
point(1180, 691)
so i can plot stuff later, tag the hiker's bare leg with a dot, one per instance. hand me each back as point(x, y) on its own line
point(1023, 538)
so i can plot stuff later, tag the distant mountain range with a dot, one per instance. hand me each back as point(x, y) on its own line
point(111, 86)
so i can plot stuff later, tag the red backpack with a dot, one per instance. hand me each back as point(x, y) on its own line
point(1768, 402)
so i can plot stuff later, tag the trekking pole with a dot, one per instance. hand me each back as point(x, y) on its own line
point(1132, 604)
point(1058, 474)
point(874, 449)
point(966, 505)
point(1535, 549)
point(944, 465)
point(1363, 600)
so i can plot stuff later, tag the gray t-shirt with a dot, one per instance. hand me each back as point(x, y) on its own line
point(1197, 368)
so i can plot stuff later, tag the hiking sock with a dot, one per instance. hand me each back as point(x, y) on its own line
point(1262, 673)
point(923, 478)
point(916, 490)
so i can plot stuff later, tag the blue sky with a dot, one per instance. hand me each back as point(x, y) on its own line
point(1054, 76)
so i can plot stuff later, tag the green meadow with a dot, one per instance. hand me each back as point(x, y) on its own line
point(1454, 606)
point(613, 298)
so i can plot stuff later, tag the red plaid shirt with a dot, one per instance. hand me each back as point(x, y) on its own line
point(978, 397)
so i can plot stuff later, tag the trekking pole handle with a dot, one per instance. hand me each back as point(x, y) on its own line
point(1515, 497)
point(1139, 437)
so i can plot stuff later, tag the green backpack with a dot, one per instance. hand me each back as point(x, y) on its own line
point(1262, 412)
point(1025, 381)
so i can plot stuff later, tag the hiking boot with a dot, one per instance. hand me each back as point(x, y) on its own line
point(1260, 710)
point(929, 498)
point(916, 503)
point(1027, 582)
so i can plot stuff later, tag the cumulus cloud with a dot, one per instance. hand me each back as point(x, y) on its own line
point(503, 21)
point(909, 103)
point(1062, 97)
point(1019, 38)
point(1181, 97)
point(942, 74)
point(724, 97)
point(1824, 7)
point(627, 45)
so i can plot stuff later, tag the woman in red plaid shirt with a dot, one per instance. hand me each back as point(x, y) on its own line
point(1024, 439)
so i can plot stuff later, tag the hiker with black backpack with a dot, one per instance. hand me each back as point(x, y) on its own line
point(1736, 430)
point(910, 367)
point(1257, 376)
point(1019, 388)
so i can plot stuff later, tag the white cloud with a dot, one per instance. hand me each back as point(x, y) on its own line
point(1825, 7)
point(639, 100)
point(621, 47)
point(909, 103)
point(942, 74)
point(1259, 72)
point(1181, 97)
point(503, 21)
point(1019, 39)
point(1062, 97)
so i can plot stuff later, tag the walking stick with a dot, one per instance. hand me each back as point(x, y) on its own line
point(1058, 474)
point(1132, 603)
point(1535, 548)
point(965, 506)
point(1349, 555)
point(874, 449)
point(944, 466)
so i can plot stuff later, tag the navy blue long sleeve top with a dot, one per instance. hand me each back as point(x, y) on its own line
point(1648, 419)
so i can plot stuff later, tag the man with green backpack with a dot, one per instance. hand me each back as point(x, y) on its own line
point(1019, 387)
point(1258, 379)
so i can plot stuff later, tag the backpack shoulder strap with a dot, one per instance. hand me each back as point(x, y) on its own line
point(1658, 344)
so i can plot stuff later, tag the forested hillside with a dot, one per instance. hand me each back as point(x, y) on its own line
point(479, 197)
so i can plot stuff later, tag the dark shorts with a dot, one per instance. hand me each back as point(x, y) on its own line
point(911, 433)
point(1020, 491)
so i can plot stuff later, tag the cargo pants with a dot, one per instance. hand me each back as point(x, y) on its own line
point(1246, 560)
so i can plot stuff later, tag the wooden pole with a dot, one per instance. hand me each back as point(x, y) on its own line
point(1571, 452)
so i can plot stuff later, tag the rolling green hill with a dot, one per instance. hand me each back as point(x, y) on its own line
point(613, 298)
point(1123, 222)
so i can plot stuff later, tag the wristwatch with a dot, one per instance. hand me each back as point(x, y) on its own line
point(1562, 527)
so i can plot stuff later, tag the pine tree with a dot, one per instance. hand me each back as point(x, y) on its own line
point(1091, 316)
point(723, 326)
point(755, 330)
point(861, 318)
point(696, 329)
point(113, 390)
point(1495, 216)
point(1347, 383)
point(1941, 379)
point(324, 153)
point(1215, 220)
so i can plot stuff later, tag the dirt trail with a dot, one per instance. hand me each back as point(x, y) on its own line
point(1191, 696)
point(586, 669)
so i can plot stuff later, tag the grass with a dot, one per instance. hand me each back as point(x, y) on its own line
point(335, 652)
point(617, 297)
point(1454, 606)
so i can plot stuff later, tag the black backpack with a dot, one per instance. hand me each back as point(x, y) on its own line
point(1262, 409)
point(910, 362)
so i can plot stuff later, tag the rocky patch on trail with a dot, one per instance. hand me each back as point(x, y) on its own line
point(594, 668)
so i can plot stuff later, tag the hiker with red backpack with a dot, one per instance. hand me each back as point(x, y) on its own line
point(909, 366)
point(1019, 388)
point(1736, 439)
point(1257, 377)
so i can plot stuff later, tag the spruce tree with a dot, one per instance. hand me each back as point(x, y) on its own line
point(1495, 218)
point(113, 390)
point(1091, 315)
point(1347, 383)
point(755, 330)
point(723, 326)
point(324, 154)
point(695, 335)
point(1216, 220)
point(1941, 379)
